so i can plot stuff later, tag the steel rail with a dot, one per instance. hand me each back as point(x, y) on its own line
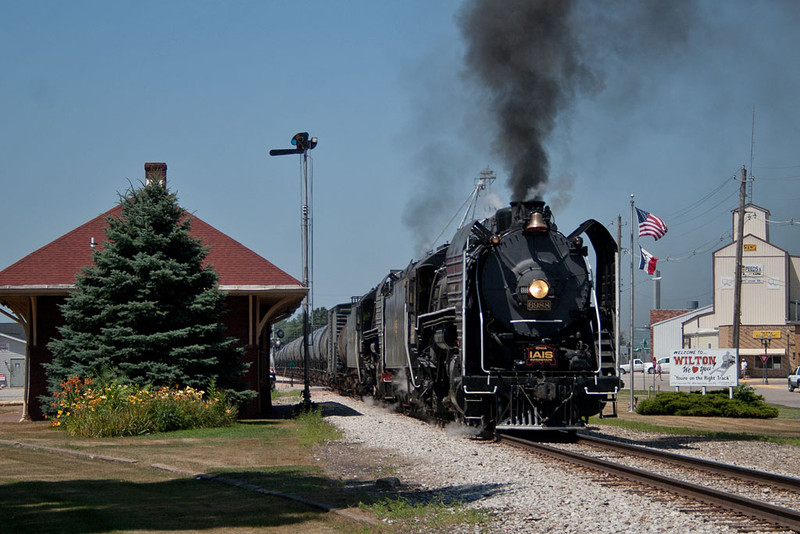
point(753, 475)
point(783, 517)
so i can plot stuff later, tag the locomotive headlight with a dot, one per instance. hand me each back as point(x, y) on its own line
point(539, 289)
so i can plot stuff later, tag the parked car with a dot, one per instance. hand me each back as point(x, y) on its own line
point(650, 368)
point(638, 366)
point(794, 380)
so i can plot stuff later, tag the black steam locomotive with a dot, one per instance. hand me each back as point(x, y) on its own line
point(506, 327)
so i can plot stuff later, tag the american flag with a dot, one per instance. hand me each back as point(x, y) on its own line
point(647, 262)
point(650, 225)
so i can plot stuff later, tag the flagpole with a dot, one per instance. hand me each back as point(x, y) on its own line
point(618, 289)
point(630, 344)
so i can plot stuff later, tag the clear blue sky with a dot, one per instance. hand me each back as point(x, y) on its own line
point(90, 91)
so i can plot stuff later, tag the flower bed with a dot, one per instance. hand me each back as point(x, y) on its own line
point(85, 408)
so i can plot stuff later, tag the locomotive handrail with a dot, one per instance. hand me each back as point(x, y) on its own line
point(599, 350)
point(486, 392)
point(482, 329)
point(464, 276)
point(586, 390)
point(405, 345)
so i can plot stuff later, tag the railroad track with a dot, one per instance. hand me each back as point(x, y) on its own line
point(781, 517)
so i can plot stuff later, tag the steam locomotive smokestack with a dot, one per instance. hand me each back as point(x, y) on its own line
point(524, 55)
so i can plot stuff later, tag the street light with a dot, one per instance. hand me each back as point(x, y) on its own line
point(302, 144)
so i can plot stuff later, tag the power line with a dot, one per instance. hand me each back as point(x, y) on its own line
point(693, 207)
point(706, 247)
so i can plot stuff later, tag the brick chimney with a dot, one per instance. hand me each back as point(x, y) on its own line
point(155, 173)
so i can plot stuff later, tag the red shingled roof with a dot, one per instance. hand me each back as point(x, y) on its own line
point(56, 264)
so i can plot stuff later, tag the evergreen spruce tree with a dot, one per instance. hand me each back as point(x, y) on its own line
point(147, 311)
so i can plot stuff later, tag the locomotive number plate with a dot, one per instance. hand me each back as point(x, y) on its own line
point(537, 305)
point(540, 355)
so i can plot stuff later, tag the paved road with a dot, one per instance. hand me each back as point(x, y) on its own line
point(776, 391)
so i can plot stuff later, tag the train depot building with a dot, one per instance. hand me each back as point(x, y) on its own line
point(257, 294)
point(770, 304)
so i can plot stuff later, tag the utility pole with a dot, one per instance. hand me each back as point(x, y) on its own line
point(737, 294)
point(303, 144)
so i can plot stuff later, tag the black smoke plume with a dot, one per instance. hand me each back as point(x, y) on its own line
point(526, 57)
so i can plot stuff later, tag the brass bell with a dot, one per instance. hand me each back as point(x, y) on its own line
point(537, 223)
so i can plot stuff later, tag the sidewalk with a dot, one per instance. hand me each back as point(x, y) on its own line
point(11, 405)
point(11, 395)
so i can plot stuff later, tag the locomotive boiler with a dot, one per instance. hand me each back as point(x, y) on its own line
point(506, 327)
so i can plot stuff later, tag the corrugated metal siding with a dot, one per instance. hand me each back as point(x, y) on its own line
point(666, 338)
point(724, 285)
point(794, 279)
point(764, 290)
point(395, 328)
point(764, 283)
point(352, 346)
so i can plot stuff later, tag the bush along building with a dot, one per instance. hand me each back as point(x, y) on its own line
point(255, 294)
point(770, 304)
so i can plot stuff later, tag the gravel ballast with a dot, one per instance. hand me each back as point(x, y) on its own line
point(523, 492)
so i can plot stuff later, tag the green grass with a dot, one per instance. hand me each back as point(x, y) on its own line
point(278, 393)
point(787, 412)
point(313, 429)
point(264, 431)
point(122, 505)
point(302, 480)
point(53, 492)
point(46, 492)
point(400, 515)
point(648, 427)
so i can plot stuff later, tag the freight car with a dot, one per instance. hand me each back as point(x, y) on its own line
point(506, 327)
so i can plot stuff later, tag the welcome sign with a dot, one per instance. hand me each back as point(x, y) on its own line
point(704, 367)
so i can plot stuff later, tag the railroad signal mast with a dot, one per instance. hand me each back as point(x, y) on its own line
point(302, 144)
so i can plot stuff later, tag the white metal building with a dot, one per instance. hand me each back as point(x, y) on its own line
point(12, 355)
point(668, 334)
point(770, 300)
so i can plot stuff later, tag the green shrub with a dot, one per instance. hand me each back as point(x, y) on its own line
point(86, 408)
point(745, 403)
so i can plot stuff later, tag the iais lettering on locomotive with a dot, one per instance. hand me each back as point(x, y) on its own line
point(506, 327)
